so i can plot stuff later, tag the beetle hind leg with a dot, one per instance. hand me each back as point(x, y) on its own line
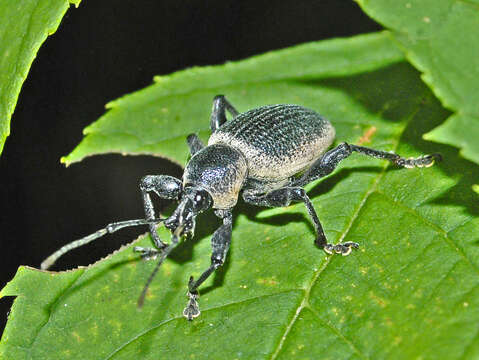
point(330, 160)
point(283, 197)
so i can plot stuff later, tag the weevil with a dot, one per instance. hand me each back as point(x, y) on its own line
point(267, 155)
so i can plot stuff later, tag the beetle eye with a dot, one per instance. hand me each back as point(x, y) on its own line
point(202, 200)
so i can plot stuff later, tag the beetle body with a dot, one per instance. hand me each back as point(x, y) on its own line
point(267, 155)
point(275, 142)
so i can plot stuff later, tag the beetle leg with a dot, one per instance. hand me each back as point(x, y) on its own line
point(283, 197)
point(164, 254)
point(328, 162)
point(218, 113)
point(194, 143)
point(166, 187)
point(109, 229)
point(220, 243)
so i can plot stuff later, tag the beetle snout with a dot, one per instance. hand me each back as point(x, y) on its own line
point(180, 228)
point(182, 221)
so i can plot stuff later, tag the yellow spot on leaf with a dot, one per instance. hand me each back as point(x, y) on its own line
point(116, 324)
point(418, 293)
point(77, 337)
point(367, 135)
point(267, 281)
point(379, 301)
point(66, 353)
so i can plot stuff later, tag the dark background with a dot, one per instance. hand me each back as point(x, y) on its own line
point(102, 50)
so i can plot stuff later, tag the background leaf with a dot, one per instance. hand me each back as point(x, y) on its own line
point(411, 291)
point(24, 27)
point(178, 104)
point(440, 39)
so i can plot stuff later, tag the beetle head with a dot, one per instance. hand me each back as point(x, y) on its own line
point(193, 201)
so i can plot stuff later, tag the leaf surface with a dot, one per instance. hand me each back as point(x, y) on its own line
point(25, 25)
point(410, 291)
point(440, 39)
point(180, 103)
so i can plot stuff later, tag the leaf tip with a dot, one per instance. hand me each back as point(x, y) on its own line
point(64, 160)
point(76, 3)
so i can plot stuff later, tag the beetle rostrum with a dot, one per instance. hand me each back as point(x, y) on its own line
point(267, 155)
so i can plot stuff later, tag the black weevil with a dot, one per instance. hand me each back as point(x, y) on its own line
point(268, 154)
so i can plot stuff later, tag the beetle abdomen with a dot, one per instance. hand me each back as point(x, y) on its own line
point(278, 141)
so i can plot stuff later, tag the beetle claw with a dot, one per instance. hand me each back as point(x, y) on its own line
point(342, 248)
point(192, 310)
point(420, 162)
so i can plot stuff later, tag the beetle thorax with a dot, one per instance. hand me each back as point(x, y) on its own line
point(220, 170)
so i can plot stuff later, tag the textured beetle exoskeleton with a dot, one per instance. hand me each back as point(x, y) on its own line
point(268, 154)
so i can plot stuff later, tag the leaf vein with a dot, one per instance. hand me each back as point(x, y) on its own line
point(181, 317)
point(444, 234)
point(51, 307)
point(338, 333)
point(371, 189)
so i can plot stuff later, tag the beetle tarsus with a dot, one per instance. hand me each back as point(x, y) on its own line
point(422, 161)
point(192, 310)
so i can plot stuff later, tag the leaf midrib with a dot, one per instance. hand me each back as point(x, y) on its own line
point(372, 188)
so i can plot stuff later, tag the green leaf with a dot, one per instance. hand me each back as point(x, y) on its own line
point(179, 104)
point(440, 39)
point(411, 291)
point(24, 27)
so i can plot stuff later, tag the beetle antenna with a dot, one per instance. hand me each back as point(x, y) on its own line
point(164, 255)
point(110, 228)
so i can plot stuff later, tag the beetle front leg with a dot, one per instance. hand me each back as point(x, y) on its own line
point(220, 244)
point(166, 187)
point(218, 113)
point(283, 197)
